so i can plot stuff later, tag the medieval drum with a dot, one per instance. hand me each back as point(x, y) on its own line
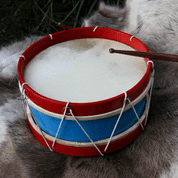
point(82, 100)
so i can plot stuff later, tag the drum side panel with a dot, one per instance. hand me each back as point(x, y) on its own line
point(98, 129)
point(89, 151)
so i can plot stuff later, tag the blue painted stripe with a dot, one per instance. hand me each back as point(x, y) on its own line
point(98, 129)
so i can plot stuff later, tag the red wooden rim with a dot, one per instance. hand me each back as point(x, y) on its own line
point(90, 108)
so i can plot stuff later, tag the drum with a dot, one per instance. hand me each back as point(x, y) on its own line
point(82, 100)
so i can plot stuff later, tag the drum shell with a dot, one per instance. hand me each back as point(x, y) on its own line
point(93, 116)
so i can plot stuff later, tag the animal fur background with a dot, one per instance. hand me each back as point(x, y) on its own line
point(154, 154)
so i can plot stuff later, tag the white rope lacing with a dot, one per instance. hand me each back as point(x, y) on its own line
point(29, 109)
point(23, 57)
point(60, 124)
point(95, 28)
point(23, 98)
point(136, 113)
point(123, 107)
point(65, 110)
point(51, 36)
point(86, 133)
point(131, 38)
point(149, 101)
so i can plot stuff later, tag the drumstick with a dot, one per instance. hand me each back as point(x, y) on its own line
point(151, 55)
point(60, 24)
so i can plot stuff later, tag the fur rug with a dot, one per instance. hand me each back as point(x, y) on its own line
point(154, 154)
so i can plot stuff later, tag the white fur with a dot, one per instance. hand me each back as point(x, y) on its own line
point(9, 66)
point(3, 130)
point(9, 113)
point(12, 110)
point(173, 173)
point(156, 15)
point(9, 56)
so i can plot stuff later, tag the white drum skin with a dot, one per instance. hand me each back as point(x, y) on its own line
point(83, 71)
